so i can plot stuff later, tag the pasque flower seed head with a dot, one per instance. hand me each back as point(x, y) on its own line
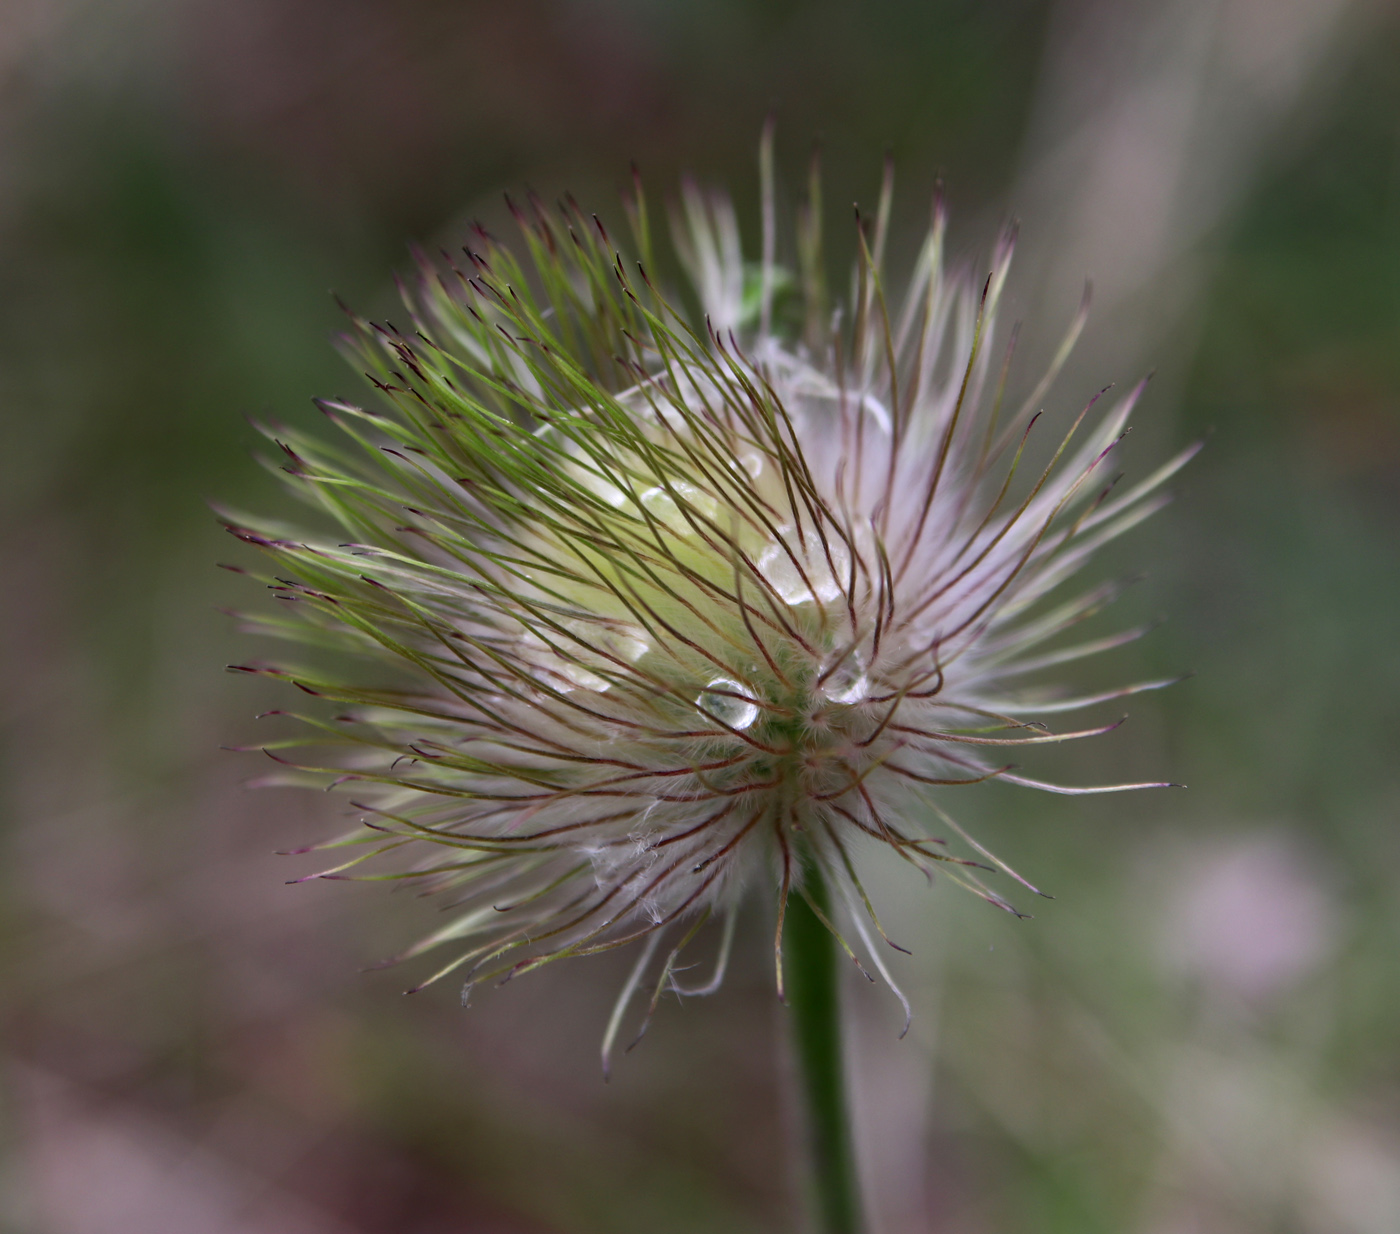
point(679, 606)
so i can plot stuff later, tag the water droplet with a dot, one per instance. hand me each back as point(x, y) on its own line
point(847, 684)
point(777, 566)
point(629, 642)
point(584, 679)
point(663, 506)
point(719, 699)
point(750, 462)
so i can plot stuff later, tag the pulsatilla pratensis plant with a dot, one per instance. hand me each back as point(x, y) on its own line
point(663, 599)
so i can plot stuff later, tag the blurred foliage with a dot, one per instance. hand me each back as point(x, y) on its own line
point(1298, 377)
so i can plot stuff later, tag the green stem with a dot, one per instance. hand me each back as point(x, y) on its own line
point(812, 974)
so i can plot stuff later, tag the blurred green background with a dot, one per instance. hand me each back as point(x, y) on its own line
point(1198, 1036)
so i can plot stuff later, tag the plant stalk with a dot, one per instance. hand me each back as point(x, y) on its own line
point(811, 963)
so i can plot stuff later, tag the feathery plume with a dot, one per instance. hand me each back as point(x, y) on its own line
point(679, 606)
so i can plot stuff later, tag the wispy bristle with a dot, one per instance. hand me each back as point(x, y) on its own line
point(680, 605)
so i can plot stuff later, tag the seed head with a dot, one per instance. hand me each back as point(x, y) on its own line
point(646, 608)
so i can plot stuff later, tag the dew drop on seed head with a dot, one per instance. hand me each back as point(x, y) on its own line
point(814, 581)
point(847, 684)
point(718, 698)
point(664, 508)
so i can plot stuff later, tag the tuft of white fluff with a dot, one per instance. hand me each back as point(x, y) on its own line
point(675, 607)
